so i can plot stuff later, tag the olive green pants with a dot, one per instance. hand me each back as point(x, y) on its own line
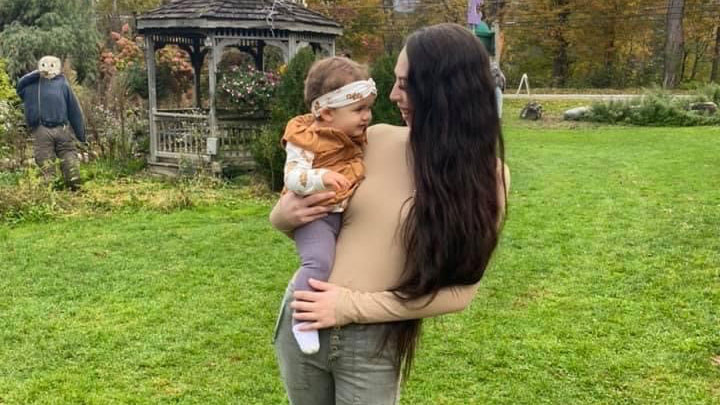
point(348, 369)
point(57, 143)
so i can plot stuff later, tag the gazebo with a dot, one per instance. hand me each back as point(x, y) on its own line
point(204, 29)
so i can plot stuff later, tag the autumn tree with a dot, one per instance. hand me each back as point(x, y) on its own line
point(363, 25)
point(533, 32)
point(578, 43)
point(111, 12)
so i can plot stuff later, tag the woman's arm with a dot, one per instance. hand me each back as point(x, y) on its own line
point(292, 211)
point(332, 305)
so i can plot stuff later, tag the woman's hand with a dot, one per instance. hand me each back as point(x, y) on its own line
point(292, 211)
point(317, 308)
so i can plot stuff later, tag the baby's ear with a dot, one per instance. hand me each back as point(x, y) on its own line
point(326, 115)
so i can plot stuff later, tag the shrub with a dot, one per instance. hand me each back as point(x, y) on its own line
point(654, 109)
point(710, 92)
point(29, 199)
point(173, 72)
point(269, 155)
point(289, 99)
point(13, 135)
point(288, 102)
point(116, 128)
point(7, 91)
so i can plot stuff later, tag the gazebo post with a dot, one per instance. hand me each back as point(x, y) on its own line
point(196, 57)
point(292, 46)
point(259, 56)
point(152, 95)
point(215, 54)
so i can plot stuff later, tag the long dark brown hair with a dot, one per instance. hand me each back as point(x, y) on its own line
point(456, 147)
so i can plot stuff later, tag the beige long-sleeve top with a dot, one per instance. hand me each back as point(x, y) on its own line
point(369, 255)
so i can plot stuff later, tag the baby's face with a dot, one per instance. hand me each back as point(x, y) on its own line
point(353, 119)
point(49, 66)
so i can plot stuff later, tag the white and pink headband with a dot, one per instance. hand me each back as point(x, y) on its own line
point(344, 96)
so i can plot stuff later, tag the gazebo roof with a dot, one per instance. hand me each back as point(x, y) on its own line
point(236, 14)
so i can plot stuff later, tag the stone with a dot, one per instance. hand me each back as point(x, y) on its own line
point(6, 164)
point(707, 107)
point(531, 111)
point(576, 114)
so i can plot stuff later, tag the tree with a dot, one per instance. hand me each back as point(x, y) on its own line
point(364, 25)
point(289, 101)
point(384, 110)
point(715, 73)
point(114, 13)
point(561, 63)
point(105, 7)
point(674, 43)
point(34, 28)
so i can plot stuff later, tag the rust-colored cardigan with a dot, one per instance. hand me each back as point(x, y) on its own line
point(334, 150)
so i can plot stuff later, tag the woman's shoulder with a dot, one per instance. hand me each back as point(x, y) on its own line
point(386, 133)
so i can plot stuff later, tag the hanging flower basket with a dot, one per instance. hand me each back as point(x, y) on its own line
point(247, 90)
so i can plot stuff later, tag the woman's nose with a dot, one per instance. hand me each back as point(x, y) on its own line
point(394, 93)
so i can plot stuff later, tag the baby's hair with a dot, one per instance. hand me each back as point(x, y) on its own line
point(330, 74)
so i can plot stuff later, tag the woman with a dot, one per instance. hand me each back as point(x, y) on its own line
point(418, 233)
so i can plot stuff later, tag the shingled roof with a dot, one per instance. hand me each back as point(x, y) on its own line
point(217, 13)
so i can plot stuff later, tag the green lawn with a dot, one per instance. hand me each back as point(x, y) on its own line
point(605, 290)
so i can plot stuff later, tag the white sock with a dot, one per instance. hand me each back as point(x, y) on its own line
point(307, 340)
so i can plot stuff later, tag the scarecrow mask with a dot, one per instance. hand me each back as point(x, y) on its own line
point(49, 66)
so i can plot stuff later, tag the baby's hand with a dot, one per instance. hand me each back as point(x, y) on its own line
point(335, 181)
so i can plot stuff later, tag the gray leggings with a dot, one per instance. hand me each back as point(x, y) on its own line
point(315, 243)
point(348, 369)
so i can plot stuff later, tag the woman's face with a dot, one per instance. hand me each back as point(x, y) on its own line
point(399, 95)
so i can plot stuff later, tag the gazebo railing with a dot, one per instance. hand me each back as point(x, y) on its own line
point(181, 134)
point(184, 133)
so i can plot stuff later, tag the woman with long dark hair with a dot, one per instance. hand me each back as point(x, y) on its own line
point(418, 234)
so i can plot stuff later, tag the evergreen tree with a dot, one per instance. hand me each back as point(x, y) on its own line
point(288, 102)
point(384, 110)
point(34, 28)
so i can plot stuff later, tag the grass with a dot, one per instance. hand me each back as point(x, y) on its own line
point(604, 291)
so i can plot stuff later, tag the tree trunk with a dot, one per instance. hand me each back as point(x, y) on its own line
point(681, 76)
point(715, 75)
point(700, 49)
point(674, 43)
point(561, 63)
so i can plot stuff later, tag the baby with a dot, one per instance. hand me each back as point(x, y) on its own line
point(325, 151)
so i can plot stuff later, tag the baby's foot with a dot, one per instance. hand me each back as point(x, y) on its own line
point(307, 340)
